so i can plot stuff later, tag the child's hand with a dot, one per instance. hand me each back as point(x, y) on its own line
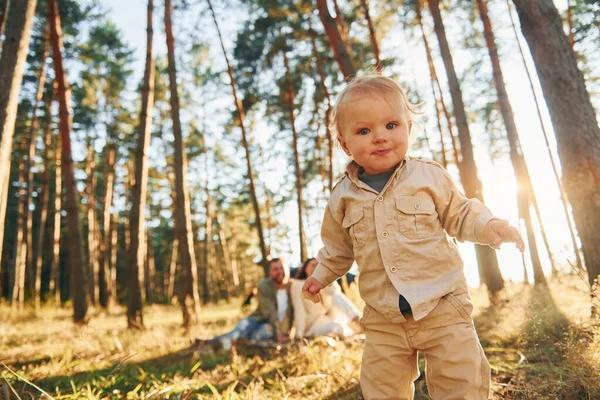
point(498, 231)
point(311, 290)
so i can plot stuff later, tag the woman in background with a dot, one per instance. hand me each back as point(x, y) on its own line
point(334, 315)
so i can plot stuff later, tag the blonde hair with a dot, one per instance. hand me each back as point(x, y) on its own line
point(370, 82)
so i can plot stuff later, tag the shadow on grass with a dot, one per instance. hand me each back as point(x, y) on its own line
point(543, 340)
point(124, 377)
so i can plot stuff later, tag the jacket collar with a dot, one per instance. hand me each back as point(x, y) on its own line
point(353, 169)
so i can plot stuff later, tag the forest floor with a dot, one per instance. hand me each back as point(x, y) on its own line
point(541, 345)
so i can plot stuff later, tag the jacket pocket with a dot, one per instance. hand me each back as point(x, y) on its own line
point(355, 222)
point(417, 217)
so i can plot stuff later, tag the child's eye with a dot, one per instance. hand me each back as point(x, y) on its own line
point(363, 131)
point(391, 125)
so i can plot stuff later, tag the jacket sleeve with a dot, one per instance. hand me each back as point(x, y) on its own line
point(337, 255)
point(268, 307)
point(463, 218)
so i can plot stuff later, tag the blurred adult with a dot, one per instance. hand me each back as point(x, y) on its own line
point(334, 315)
point(272, 319)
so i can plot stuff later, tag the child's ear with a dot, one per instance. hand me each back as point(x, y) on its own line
point(343, 145)
point(410, 125)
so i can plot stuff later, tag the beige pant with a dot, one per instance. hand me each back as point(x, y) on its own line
point(455, 365)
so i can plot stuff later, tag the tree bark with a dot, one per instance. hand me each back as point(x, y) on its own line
point(110, 155)
point(323, 81)
point(189, 298)
point(18, 292)
point(486, 257)
point(207, 256)
point(55, 238)
point(525, 193)
point(570, 25)
point(114, 236)
point(44, 205)
point(573, 117)
point(139, 190)
point(241, 117)
point(30, 266)
point(3, 12)
point(298, 171)
point(338, 46)
point(227, 254)
point(92, 244)
point(12, 60)
point(150, 273)
point(372, 36)
point(563, 194)
point(433, 78)
point(172, 270)
point(77, 272)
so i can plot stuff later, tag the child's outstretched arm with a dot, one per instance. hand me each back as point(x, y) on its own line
point(469, 219)
point(336, 256)
point(498, 231)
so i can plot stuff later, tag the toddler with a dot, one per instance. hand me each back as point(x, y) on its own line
point(393, 214)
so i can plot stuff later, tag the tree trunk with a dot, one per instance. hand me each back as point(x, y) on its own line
point(570, 25)
point(486, 257)
point(92, 245)
point(573, 117)
point(12, 60)
point(77, 272)
point(29, 169)
point(372, 36)
point(114, 236)
point(3, 12)
point(323, 82)
point(189, 299)
point(129, 183)
point(227, 254)
point(299, 185)
point(44, 205)
point(139, 190)
point(206, 259)
point(563, 194)
point(150, 273)
point(340, 21)
point(433, 78)
point(442, 103)
point(55, 238)
point(18, 292)
point(172, 270)
point(110, 154)
point(525, 193)
point(338, 46)
point(241, 117)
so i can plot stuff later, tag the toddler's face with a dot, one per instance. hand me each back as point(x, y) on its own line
point(373, 130)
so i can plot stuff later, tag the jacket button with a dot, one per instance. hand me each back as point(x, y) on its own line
point(417, 206)
point(384, 234)
point(380, 198)
point(393, 269)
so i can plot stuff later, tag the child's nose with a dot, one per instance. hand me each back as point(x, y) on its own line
point(380, 135)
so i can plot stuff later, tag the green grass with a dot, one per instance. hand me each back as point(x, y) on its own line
point(541, 345)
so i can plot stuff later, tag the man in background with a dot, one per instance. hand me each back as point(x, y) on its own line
point(273, 318)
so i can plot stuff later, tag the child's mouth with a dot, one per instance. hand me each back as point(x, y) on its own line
point(381, 152)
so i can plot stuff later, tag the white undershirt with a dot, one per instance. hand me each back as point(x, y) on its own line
point(282, 303)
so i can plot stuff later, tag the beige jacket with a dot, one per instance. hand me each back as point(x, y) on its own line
point(398, 237)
